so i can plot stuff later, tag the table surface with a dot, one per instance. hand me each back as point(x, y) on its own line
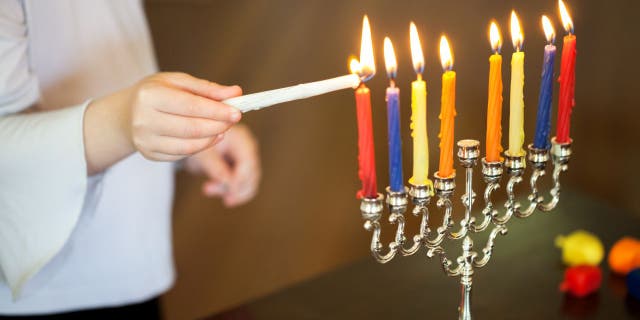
point(520, 282)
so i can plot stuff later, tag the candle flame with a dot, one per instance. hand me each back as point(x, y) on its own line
point(446, 57)
point(367, 63)
point(495, 37)
point(566, 18)
point(516, 32)
point(390, 58)
point(416, 49)
point(354, 66)
point(549, 32)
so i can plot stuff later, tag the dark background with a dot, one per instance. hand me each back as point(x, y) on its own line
point(305, 220)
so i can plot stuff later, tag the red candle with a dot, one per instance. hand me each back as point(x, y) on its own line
point(366, 156)
point(567, 78)
point(365, 69)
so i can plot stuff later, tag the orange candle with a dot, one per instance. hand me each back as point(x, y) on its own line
point(447, 110)
point(494, 104)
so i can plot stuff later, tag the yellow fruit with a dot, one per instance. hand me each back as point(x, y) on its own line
point(580, 248)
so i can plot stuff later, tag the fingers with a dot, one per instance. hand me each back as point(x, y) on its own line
point(189, 105)
point(188, 128)
point(202, 87)
point(180, 147)
point(219, 173)
point(245, 178)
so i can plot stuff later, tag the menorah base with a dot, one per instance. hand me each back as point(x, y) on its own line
point(444, 188)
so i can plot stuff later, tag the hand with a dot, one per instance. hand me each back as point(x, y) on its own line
point(232, 167)
point(166, 117)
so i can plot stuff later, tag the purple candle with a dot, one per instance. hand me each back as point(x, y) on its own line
point(396, 183)
point(543, 121)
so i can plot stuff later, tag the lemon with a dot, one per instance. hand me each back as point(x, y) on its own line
point(580, 248)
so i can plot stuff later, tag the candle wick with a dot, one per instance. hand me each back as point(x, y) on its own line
point(419, 76)
point(392, 83)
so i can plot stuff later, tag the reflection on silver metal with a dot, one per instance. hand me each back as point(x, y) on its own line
point(491, 170)
point(444, 184)
point(538, 157)
point(420, 193)
point(432, 238)
point(371, 208)
point(397, 201)
point(468, 152)
point(515, 164)
point(561, 151)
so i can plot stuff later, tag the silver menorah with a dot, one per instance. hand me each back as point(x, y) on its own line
point(469, 260)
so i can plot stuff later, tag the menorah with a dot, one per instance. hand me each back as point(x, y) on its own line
point(469, 260)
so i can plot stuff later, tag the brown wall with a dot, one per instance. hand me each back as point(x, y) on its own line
point(305, 219)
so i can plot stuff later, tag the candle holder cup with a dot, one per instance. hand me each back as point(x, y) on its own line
point(443, 189)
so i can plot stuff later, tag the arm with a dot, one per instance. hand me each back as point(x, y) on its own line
point(45, 157)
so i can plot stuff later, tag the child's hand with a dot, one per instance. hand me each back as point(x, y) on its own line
point(174, 115)
point(232, 167)
point(166, 117)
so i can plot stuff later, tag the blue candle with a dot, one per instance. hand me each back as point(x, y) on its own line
point(395, 143)
point(396, 183)
point(543, 121)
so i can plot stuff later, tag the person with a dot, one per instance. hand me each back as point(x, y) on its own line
point(90, 135)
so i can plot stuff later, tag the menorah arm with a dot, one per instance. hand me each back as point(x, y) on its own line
point(488, 211)
point(376, 245)
point(419, 239)
point(445, 262)
point(488, 249)
point(555, 191)
point(511, 205)
point(534, 199)
point(447, 222)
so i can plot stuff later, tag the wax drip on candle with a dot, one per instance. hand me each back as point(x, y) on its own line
point(392, 98)
point(494, 101)
point(447, 110)
point(366, 154)
point(516, 108)
point(418, 125)
point(543, 120)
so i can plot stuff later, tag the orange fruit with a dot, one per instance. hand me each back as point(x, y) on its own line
point(625, 255)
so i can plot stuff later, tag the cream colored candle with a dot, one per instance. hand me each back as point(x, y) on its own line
point(419, 114)
point(516, 109)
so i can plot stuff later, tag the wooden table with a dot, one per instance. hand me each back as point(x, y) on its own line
point(520, 282)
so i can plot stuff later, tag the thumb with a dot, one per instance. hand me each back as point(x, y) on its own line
point(202, 87)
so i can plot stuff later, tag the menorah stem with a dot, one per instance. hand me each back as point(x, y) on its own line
point(464, 310)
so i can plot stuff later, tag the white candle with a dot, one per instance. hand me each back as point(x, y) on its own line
point(256, 101)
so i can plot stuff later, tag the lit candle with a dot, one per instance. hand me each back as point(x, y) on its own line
point(494, 103)
point(365, 68)
point(393, 120)
point(516, 109)
point(419, 114)
point(543, 121)
point(567, 78)
point(447, 110)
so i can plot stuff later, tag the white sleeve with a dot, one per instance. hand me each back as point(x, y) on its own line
point(43, 175)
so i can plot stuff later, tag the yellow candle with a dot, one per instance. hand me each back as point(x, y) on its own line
point(494, 104)
point(447, 111)
point(516, 109)
point(419, 114)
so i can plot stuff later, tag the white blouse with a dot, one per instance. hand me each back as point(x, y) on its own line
point(68, 241)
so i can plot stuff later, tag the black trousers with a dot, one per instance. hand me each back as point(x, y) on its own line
point(146, 310)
